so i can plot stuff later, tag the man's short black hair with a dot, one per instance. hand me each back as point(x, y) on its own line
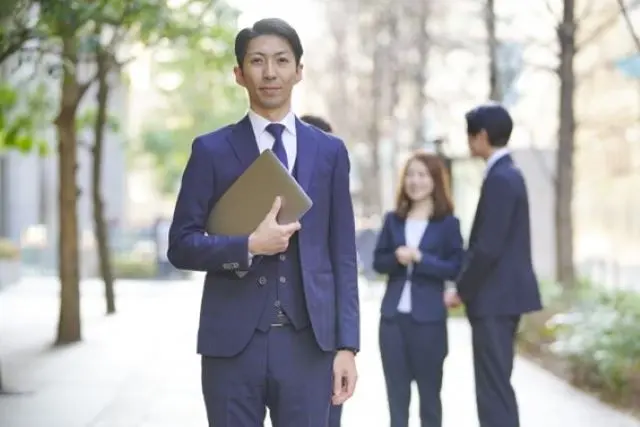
point(318, 122)
point(264, 27)
point(494, 119)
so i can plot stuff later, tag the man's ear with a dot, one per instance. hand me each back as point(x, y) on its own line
point(299, 73)
point(237, 71)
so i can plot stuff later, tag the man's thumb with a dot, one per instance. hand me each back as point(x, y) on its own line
point(275, 208)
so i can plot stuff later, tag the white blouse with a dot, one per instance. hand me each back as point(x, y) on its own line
point(413, 231)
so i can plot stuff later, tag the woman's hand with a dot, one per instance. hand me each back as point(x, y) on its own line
point(404, 255)
point(416, 255)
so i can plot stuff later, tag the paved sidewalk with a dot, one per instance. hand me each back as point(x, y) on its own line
point(139, 368)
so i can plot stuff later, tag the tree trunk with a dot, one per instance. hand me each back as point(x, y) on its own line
point(495, 88)
point(565, 272)
point(99, 223)
point(69, 324)
point(371, 184)
point(421, 75)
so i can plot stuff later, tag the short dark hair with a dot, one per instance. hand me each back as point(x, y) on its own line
point(442, 202)
point(494, 119)
point(268, 26)
point(318, 122)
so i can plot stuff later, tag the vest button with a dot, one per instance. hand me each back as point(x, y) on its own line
point(262, 281)
point(283, 279)
point(283, 257)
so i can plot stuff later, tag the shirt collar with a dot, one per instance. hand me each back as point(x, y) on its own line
point(259, 123)
point(497, 155)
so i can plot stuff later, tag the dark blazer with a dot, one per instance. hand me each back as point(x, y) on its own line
point(497, 277)
point(442, 254)
point(232, 305)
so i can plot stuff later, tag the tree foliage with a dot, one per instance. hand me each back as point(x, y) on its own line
point(22, 119)
point(202, 97)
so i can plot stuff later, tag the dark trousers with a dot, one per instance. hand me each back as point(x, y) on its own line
point(493, 354)
point(413, 351)
point(335, 416)
point(282, 369)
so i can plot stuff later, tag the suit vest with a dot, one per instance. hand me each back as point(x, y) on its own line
point(282, 275)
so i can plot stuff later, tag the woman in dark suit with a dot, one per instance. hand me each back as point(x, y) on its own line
point(419, 248)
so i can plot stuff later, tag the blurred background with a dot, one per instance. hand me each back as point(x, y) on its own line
point(99, 104)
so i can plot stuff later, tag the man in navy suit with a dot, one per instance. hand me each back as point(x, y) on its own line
point(279, 320)
point(497, 283)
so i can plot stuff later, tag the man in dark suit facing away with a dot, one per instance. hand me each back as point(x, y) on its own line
point(497, 282)
point(279, 318)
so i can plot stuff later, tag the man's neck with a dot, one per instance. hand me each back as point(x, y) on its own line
point(492, 152)
point(273, 115)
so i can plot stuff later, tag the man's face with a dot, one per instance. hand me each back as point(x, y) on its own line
point(269, 72)
point(478, 144)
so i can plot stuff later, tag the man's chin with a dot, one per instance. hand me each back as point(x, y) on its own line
point(273, 104)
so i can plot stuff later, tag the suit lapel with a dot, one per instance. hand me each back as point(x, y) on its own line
point(243, 142)
point(307, 144)
point(425, 235)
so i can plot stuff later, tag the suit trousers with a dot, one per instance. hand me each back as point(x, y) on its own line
point(282, 369)
point(413, 351)
point(493, 340)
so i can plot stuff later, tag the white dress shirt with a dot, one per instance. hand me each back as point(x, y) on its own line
point(413, 231)
point(265, 140)
point(497, 155)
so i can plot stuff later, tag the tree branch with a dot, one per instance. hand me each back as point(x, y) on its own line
point(627, 20)
point(552, 13)
point(598, 31)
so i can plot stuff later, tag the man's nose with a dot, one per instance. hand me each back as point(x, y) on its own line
point(269, 70)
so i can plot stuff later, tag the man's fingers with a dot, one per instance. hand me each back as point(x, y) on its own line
point(337, 387)
point(291, 228)
point(351, 378)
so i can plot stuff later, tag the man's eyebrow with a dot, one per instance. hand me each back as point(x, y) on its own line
point(282, 52)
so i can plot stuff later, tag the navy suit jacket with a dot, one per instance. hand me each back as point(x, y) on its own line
point(497, 277)
point(232, 304)
point(442, 254)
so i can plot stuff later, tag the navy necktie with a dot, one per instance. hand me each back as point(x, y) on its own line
point(276, 130)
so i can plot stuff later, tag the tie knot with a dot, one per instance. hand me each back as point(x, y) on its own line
point(275, 129)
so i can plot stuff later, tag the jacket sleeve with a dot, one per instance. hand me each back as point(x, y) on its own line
point(190, 248)
point(342, 238)
point(448, 266)
point(498, 206)
point(384, 257)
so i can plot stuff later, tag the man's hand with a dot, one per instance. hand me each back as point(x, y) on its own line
point(271, 238)
point(345, 376)
point(451, 298)
point(404, 255)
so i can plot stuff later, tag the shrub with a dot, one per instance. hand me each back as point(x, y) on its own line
point(600, 339)
point(536, 334)
point(127, 267)
point(8, 250)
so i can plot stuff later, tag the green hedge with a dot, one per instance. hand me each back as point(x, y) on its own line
point(594, 338)
point(8, 250)
point(126, 267)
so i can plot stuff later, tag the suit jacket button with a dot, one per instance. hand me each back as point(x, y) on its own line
point(262, 281)
point(283, 257)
